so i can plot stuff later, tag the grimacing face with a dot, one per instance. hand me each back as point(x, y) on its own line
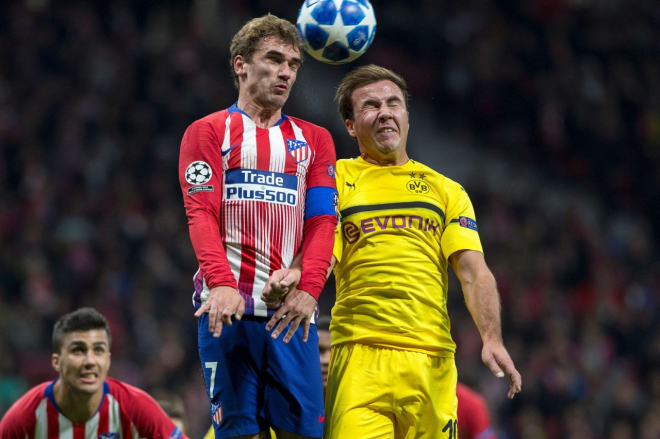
point(83, 361)
point(380, 122)
point(270, 74)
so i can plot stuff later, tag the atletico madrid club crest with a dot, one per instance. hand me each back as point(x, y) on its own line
point(216, 409)
point(298, 149)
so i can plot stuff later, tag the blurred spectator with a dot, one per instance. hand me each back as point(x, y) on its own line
point(323, 330)
point(172, 405)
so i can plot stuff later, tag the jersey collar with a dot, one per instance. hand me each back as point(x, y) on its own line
point(51, 396)
point(234, 109)
point(364, 162)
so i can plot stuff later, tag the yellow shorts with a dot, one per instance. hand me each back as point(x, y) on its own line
point(389, 394)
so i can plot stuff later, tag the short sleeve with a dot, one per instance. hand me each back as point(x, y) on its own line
point(461, 231)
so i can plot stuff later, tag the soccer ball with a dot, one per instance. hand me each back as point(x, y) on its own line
point(336, 31)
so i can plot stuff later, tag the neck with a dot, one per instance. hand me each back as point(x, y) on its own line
point(399, 160)
point(263, 117)
point(77, 407)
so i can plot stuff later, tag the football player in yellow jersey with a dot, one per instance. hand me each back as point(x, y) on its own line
point(392, 371)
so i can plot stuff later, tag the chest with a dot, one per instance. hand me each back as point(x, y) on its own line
point(379, 187)
point(375, 204)
point(282, 149)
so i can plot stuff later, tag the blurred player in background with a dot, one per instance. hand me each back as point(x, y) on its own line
point(83, 402)
point(323, 327)
point(392, 370)
point(255, 182)
point(173, 406)
point(473, 415)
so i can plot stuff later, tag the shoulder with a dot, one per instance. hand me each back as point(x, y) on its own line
point(209, 124)
point(130, 397)
point(33, 396)
point(309, 129)
point(430, 172)
point(21, 416)
point(348, 165)
point(133, 402)
point(347, 170)
point(125, 391)
point(303, 124)
point(213, 118)
point(441, 181)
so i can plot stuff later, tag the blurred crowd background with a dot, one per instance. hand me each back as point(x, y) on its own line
point(547, 111)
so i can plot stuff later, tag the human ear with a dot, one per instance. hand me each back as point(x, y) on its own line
point(239, 65)
point(350, 127)
point(55, 362)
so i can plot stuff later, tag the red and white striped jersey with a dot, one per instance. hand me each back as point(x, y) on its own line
point(125, 412)
point(473, 415)
point(249, 192)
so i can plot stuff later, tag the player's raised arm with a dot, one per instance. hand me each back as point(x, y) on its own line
point(483, 301)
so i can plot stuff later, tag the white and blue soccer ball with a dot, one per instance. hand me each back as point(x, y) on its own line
point(336, 31)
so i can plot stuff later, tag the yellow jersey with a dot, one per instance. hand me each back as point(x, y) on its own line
point(399, 225)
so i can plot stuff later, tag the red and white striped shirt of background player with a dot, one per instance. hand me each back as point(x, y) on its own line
point(125, 412)
point(473, 415)
point(263, 190)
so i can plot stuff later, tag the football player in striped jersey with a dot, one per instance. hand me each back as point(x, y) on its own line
point(258, 188)
point(83, 402)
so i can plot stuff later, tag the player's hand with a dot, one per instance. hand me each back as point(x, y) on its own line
point(222, 304)
point(495, 356)
point(298, 307)
point(279, 284)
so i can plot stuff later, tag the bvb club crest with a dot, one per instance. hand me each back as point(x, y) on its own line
point(416, 184)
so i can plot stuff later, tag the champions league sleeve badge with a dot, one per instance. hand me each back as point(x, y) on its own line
point(198, 173)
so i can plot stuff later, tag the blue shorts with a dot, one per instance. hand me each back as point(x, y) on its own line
point(255, 382)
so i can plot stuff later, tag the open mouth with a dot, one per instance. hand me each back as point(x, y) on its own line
point(88, 378)
point(386, 130)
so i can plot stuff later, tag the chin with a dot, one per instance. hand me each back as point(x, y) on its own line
point(388, 151)
point(280, 100)
point(90, 389)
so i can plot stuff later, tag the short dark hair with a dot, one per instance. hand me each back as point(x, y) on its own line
point(253, 32)
point(360, 77)
point(82, 319)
